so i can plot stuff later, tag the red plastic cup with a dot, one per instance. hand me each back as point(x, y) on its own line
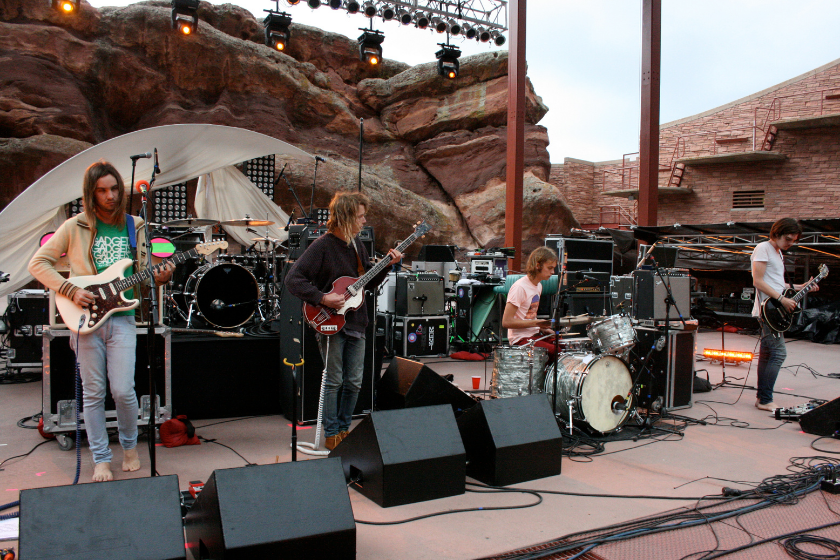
point(476, 381)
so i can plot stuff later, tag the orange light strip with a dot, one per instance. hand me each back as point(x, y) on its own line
point(728, 355)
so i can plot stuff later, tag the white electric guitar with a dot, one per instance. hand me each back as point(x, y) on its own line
point(108, 287)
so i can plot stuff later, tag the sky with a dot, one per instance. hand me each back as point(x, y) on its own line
point(584, 57)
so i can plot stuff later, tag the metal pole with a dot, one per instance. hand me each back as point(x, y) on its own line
point(515, 132)
point(649, 134)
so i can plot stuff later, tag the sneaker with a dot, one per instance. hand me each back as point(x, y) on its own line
point(770, 407)
point(332, 441)
point(343, 434)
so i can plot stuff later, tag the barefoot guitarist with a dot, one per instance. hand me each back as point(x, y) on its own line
point(94, 241)
point(336, 254)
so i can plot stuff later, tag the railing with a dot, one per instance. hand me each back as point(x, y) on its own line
point(621, 178)
point(616, 214)
point(774, 111)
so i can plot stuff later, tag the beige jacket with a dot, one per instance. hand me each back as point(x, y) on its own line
point(75, 237)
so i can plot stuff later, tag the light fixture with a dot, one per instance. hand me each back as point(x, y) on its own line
point(335, 4)
point(482, 34)
point(293, 2)
point(497, 37)
point(730, 356)
point(351, 6)
point(454, 27)
point(438, 24)
point(370, 46)
point(277, 30)
point(387, 12)
point(421, 20)
point(447, 58)
point(185, 16)
point(66, 6)
point(468, 31)
point(404, 16)
point(369, 9)
point(314, 4)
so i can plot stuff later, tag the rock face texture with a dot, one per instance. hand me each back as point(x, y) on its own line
point(433, 148)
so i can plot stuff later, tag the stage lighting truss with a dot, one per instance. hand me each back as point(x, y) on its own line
point(447, 58)
point(171, 203)
point(66, 6)
point(277, 30)
point(730, 356)
point(370, 46)
point(260, 171)
point(185, 16)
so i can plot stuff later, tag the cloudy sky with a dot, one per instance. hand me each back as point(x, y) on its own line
point(584, 57)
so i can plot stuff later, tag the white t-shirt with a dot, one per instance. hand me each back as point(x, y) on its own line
point(526, 297)
point(774, 274)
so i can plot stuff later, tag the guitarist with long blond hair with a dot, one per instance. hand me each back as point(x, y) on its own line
point(339, 253)
point(768, 273)
point(93, 241)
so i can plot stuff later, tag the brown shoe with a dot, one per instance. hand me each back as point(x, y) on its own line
point(332, 441)
point(343, 434)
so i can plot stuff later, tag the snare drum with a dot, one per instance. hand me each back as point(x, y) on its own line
point(578, 345)
point(612, 335)
point(225, 294)
point(517, 370)
point(594, 384)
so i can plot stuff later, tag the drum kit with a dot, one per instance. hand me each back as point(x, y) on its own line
point(593, 386)
point(228, 292)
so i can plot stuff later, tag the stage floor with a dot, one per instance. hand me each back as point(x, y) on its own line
point(738, 443)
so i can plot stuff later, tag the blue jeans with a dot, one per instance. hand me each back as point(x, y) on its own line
point(108, 353)
point(771, 356)
point(344, 357)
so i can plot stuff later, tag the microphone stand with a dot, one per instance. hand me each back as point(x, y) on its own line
point(559, 303)
point(294, 194)
point(361, 148)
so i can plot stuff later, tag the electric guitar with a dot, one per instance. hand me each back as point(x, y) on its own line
point(108, 286)
point(327, 320)
point(780, 319)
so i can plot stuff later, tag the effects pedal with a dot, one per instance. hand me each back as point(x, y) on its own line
point(795, 412)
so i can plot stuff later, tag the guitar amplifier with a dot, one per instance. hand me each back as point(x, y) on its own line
point(650, 293)
point(668, 382)
point(419, 294)
point(421, 336)
point(621, 293)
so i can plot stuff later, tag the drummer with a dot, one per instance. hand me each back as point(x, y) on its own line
point(520, 316)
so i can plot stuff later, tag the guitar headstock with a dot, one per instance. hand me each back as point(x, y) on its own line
point(212, 246)
point(421, 229)
point(823, 272)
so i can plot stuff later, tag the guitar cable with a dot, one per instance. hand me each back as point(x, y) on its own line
point(78, 386)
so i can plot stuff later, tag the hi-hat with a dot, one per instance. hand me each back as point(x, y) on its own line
point(247, 222)
point(191, 222)
point(263, 239)
point(575, 320)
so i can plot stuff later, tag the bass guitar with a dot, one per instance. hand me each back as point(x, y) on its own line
point(108, 287)
point(776, 316)
point(327, 320)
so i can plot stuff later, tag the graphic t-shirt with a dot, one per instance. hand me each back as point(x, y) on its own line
point(111, 245)
point(526, 297)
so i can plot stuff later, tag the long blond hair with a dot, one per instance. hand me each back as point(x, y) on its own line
point(93, 173)
point(537, 259)
point(343, 209)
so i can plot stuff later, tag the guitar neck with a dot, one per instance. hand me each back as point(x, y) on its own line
point(801, 293)
point(378, 267)
point(129, 281)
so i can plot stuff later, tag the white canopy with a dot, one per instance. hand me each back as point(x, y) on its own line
point(185, 151)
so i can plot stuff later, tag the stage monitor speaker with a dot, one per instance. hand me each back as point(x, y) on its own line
point(409, 384)
point(282, 510)
point(823, 420)
point(401, 457)
point(137, 518)
point(511, 440)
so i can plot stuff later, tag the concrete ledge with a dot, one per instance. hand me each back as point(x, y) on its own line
point(671, 191)
point(808, 122)
point(736, 157)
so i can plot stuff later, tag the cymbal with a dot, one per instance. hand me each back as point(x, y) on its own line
point(264, 239)
point(191, 222)
point(247, 222)
point(575, 320)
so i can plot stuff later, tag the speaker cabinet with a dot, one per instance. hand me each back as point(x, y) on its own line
point(669, 380)
point(401, 457)
point(138, 518)
point(511, 440)
point(286, 510)
point(408, 384)
point(823, 420)
point(419, 294)
point(650, 294)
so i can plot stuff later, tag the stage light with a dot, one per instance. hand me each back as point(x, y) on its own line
point(468, 31)
point(404, 16)
point(482, 34)
point(369, 9)
point(454, 27)
point(185, 16)
point(447, 57)
point(66, 6)
point(731, 356)
point(370, 47)
point(277, 30)
point(352, 6)
point(335, 4)
point(387, 12)
point(421, 20)
point(314, 4)
point(498, 38)
point(438, 24)
point(293, 2)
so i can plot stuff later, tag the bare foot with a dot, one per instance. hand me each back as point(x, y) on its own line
point(131, 461)
point(102, 472)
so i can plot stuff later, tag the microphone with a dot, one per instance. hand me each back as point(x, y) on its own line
point(282, 170)
point(619, 406)
point(141, 156)
point(581, 276)
point(292, 215)
point(647, 254)
point(217, 304)
point(319, 158)
point(141, 186)
point(420, 298)
point(157, 167)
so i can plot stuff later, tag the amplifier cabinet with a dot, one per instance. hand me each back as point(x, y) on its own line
point(59, 384)
point(27, 315)
point(421, 336)
point(419, 294)
point(621, 293)
point(650, 293)
point(591, 256)
point(669, 379)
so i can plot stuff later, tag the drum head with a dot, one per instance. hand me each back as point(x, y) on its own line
point(607, 379)
point(226, 294)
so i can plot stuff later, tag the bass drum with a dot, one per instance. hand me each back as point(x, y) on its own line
point(594, 384)
point(225, 294)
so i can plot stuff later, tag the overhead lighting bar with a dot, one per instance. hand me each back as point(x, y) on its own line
point(185, 16)
point(277, 31)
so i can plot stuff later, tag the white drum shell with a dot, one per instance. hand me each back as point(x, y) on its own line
point(612, 335)
point(513, 367)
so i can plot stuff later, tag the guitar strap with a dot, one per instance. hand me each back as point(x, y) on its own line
point(132, 235)
point(359, 266)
